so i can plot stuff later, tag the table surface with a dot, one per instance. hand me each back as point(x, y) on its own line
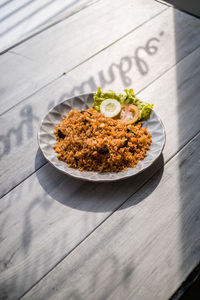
point(62, 238)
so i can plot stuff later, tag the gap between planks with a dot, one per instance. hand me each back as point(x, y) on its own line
point(81, 63)
point(111, 214)
point(43, 68)
point(142, 89)
point(111, 50)
point(50, 24)
point(182, 115)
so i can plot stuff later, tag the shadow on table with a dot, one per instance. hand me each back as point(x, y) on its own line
point(26, 12)
point(187, 90)
point(93, 196)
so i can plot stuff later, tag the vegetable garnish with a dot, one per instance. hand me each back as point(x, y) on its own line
point(129, 114)
point(110, 108)
point(127, 98)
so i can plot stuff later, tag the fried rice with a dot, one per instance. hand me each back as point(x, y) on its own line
point(86, 140)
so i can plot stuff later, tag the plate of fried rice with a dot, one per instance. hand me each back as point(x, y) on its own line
point(80, 141)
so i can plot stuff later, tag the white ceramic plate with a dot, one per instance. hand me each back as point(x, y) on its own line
point(47, 140)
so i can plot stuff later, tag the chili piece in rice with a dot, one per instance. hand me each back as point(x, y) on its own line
point(88, 141)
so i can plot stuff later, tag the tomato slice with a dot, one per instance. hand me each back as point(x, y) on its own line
point(129, 113)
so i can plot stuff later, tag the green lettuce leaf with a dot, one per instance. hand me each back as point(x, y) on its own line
point(127, 98)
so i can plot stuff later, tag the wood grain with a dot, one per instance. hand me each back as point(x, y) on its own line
point(145, 249)
point(59, 49)
point(21, 20)
point(49, 214)
point(46, 217)
point(113, 68)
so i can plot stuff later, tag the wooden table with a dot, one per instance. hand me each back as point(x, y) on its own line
point(62, 238)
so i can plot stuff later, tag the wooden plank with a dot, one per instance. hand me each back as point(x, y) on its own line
point(21, 19)
point(145, 250)
point(119, 71)
point(67, 44)
point(49, 214)
point(45, 217)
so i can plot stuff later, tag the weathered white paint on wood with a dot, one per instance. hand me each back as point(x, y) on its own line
point(48, 214)
point(20, 18)
point(144, 250)
point(46, 56)
point(120, 70)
